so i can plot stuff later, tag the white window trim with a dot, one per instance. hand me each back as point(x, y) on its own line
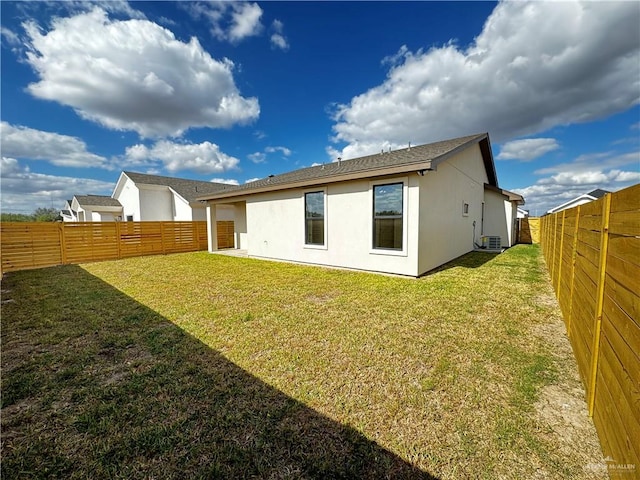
point(324, 246)
point(405, 217)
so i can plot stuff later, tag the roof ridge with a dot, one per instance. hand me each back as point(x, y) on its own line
point(129, 172)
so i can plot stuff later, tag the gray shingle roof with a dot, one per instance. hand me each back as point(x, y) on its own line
point(421, 157)
point(598, 193)
point(190, 190)
point(97, 201)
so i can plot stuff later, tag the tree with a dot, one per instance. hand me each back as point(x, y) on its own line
point(46, 215)
point(15, 217)
point(40, 215)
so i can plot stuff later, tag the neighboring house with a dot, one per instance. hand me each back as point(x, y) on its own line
point(522, 213)
point(581, 200)
point(96, 208)
point(67, 213)
point(404, 212)
point(157, 198)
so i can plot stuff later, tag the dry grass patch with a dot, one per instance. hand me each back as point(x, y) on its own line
point(211, 365)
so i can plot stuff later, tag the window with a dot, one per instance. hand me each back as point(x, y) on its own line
point(387, 216)
point(314, 218)
point(129, 218)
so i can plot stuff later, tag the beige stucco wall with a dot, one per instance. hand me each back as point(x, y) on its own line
point(445, 232)
point(275, 224)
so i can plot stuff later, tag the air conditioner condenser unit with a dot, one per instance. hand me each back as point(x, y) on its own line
point(491, 243)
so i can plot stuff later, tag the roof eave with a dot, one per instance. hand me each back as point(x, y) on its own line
point(512, 196)
point(369, 173)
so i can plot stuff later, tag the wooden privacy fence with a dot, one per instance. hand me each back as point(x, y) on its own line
point(529, 230)
point(226, 234)
point(25, 245)
point(593, 255)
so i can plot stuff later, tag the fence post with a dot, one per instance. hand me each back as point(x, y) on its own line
point(564, 212)
point(553, 250)
point(118, 240)
point(162, 240)
point(63, 245)
point(574, 255)
point(602, 267)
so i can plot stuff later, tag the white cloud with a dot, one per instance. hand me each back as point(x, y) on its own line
point(527, 149)
point(252, 180)
point(121, 7)
point(284, 150)
point(134, 75)
point(204, 158)
point(606, 170)
point(245, 21)
point(226, 181)
point(593, 178)
point(594, 162)
point(552, 191)
point(257, 157)
point(534, 66)
point(228, 21)
point(24, 191)
point(9, 166)
point(397, 57)
point(260, 157)
point(61, 150)
point(278, 39)
point(10, 37)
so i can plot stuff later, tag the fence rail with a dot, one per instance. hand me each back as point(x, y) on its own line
point(593, 256)
point(25, 245)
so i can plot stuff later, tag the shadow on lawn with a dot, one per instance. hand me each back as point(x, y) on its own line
point(473, 259)
point(105, 387)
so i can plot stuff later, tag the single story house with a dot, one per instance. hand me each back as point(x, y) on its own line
point(404, 212)
point(580, 200)
point(522, 213)
point(96, 208)
point(158, 198)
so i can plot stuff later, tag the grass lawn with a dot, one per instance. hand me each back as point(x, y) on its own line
point(207, 366)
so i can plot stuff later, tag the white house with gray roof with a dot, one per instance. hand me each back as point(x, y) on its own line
point(404, 212)
point(94, 208)
point(159, 198)
point(580, 200)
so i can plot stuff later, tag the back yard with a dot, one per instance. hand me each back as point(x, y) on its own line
point(199, 365)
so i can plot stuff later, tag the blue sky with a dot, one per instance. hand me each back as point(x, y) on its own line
point(237, 91)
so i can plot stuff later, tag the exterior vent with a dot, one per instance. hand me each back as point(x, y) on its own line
point(492, 243)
